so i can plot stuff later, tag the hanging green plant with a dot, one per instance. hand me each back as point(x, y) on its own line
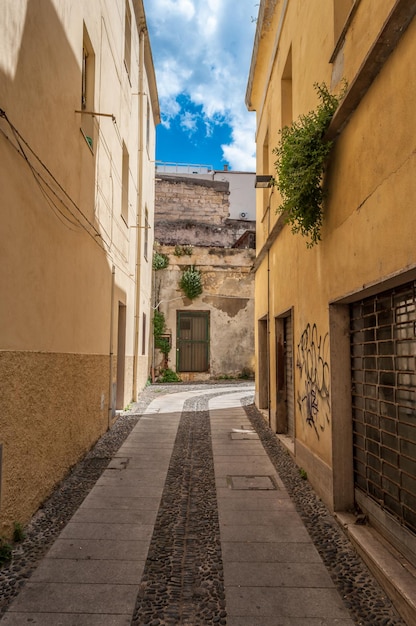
point(162, 342)
point(191, 282)
point(160, 261)
point(302, 153)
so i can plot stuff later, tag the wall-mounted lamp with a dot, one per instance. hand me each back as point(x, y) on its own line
point(263, 181)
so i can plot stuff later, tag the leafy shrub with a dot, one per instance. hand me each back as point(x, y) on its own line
point(159, 327)
point(302, 153)
point(160, 261)
point(191, 283)
point(168, 376)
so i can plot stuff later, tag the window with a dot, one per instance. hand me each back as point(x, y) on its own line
point(192, 341)
point(87, 90)
point(286, 90)
point(125, 185)
point(148, 126)
point(343, 13)
point(383, 360)
point(146, 234)
point(127, 38)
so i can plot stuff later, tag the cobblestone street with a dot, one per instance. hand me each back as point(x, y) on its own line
point(189, 511)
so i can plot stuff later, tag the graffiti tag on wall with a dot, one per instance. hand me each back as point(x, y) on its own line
point(312, 362)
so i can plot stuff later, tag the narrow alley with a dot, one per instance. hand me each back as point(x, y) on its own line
point(200, 517)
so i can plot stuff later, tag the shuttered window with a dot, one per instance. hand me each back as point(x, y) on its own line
point(383, 356)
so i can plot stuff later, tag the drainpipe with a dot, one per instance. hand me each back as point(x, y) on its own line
point(111, 408)
point(139, 215)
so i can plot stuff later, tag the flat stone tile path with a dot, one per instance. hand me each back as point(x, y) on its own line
point(273, 574)
point(237, 552)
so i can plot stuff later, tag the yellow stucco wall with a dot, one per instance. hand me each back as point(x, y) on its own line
point(369, 217)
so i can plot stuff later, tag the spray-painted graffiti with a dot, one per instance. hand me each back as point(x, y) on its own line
point(312, 362)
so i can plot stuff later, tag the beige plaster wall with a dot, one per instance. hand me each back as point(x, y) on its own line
point(69, 256)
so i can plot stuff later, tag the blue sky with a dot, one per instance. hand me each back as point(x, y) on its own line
point(202, 53)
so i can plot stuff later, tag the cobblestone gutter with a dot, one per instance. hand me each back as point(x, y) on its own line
point(183, 580)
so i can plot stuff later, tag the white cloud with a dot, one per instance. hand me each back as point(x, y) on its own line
point(176, 8)
point(189, 122)
point(202, 48)
point(241, 151)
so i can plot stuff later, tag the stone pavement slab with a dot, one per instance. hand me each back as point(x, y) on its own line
point(75, 598)
point(64, 619)
point(276, 553)
point(287, 621)
point(293, 602)
point(273, 574)
point(112, 572)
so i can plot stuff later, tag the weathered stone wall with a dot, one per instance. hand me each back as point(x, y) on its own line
point(228, 295)
point(195, 212)
point(194, 233)
point(181, 199)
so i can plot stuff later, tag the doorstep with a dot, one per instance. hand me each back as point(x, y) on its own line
point(395, 574)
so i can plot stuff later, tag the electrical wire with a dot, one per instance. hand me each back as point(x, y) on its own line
point(47, 191)
point(21, 140)
point(59, 214)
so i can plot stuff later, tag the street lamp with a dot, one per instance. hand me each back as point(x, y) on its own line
point(263, 181)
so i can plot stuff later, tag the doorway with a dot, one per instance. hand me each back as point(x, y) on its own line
point(121, 355)
point(192, 341)
point(285, 408)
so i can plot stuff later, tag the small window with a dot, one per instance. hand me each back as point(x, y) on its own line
point(127, 38)
point(148, 127)
point(343, 11)
point(286, 89)
point(265, 169)
point(146, 233)
point(87, 90)
point(125, 185)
